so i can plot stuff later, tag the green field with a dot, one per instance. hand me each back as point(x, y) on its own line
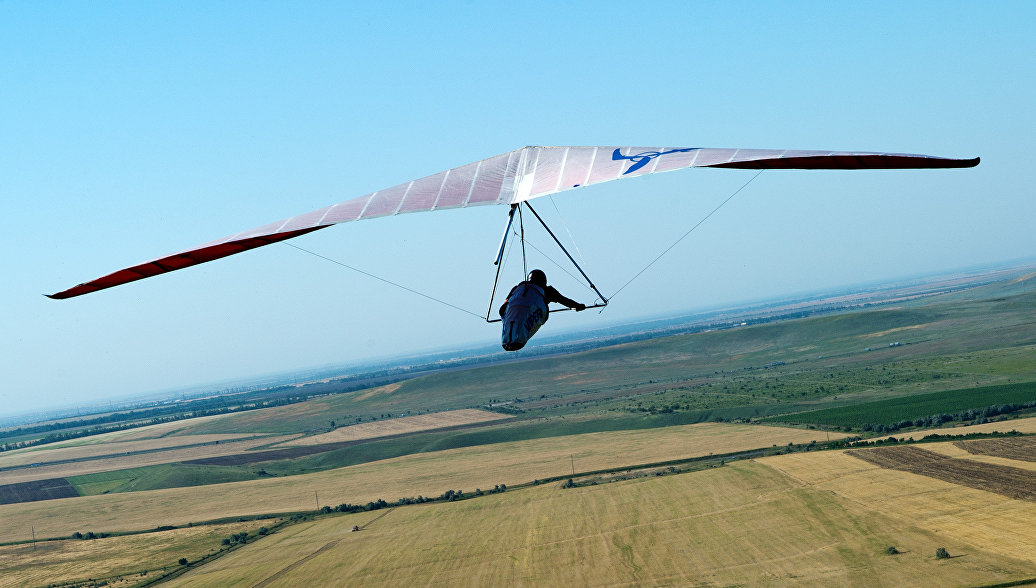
point(978, 403)
point(763, 370)
point(172, 475)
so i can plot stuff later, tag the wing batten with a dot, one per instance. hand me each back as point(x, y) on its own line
point(512, 177)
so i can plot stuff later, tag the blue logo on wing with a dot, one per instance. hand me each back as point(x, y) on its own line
point(642, 159)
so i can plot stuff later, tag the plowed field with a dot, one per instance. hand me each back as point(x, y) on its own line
point(1023, 449)
point(1005, 480)
point(37, 490)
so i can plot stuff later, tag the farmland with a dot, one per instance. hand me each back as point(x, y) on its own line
point(413, 424)
point(113, 458)
point(748, 523)
point(668, 441)
point(121, 560)
point(427, 474)
point(977, 402)
point(1009, 481)
point(1020, 449)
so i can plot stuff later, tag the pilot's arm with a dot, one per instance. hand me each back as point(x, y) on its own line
point(553, 295)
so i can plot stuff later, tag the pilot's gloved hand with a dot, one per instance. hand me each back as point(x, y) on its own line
point(580, 306)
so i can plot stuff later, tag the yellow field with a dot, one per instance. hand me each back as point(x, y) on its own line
point(122, 462)
point(817, 518)
point(975, 518)
point(748, 523)
point(428, 474)
point(397, 426)
point(120, 560)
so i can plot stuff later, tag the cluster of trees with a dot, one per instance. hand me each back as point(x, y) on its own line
point(89, 535)
point(974, 416)
point(447, 496)
point(663, 409)
point(858, 441)
point(241, 537)
point(346, 507)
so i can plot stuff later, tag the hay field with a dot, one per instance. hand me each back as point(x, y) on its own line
point(155, 456)
point(119, 560)
point(428, 474)
point(400, 426)
point(968, 518)
point(743, 524)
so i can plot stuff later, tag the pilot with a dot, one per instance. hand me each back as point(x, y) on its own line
point(525, 309)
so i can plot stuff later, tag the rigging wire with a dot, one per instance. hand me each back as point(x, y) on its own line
point(565, 224)
point(523, 240)
point(380, 279)
point(556, 264)
point(689, 231)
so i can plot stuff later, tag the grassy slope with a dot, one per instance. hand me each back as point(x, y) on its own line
point(172, 475)
point(949, 345)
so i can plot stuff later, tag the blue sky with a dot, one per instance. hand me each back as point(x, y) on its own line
point(129, 130)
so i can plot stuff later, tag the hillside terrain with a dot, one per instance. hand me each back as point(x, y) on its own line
point(683, 459)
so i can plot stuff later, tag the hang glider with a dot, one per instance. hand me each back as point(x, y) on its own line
point(510, 179)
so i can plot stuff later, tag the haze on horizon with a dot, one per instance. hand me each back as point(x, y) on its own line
point(131, 131)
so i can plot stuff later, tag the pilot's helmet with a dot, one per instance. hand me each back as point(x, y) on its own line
point(538, 277)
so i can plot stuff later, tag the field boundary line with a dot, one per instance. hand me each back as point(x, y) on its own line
point(297, 563)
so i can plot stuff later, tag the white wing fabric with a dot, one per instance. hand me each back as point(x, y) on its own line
point(510, 178)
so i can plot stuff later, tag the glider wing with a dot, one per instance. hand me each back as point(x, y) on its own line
point(510, 178)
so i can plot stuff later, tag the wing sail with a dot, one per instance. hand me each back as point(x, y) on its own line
point(509, 178)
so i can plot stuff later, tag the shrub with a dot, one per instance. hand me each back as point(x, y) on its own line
point(183, 561)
